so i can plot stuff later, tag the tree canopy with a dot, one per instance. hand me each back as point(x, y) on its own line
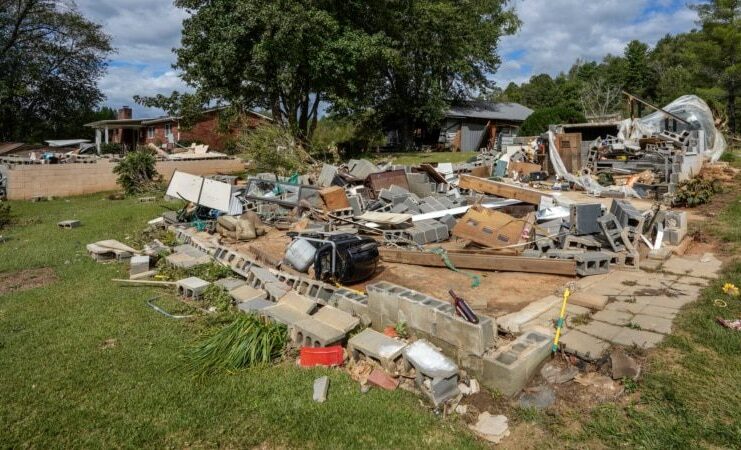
point(705, 62)
point(403, 61)
point(51, 59)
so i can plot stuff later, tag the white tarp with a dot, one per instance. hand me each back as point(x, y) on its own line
point(203, 191)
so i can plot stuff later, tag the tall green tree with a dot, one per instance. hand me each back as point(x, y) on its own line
point(639, 77)
point(718, 53)
point(434, 52)
point(51, 58)
point(285, 56)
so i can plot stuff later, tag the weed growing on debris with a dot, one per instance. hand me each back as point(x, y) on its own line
point(696, 191)
point(248, 341)
point(217, 297)
point(4, 215)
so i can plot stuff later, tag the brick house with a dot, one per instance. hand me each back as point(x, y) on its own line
point(165, 132)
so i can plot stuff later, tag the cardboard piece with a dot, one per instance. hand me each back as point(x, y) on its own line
point(489, 228)
point(334, 198)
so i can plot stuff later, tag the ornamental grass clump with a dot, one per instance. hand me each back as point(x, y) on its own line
point(246, 342)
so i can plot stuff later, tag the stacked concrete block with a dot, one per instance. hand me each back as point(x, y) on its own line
point(290, 309)
point(629, 217)
point(583, 218)
point(328, 326)
point(511, 366)
point(389, 303)
point(581, 243)
point(377, 346)
point(255, 305)
point(352, 303)
point(592, 263)
point(616, 235)
point(437, 375)
point(675, 226)
point(192, 287)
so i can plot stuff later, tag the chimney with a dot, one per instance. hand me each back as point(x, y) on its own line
point(124, 113)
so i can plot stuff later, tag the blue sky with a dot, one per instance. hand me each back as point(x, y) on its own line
point(553, 35)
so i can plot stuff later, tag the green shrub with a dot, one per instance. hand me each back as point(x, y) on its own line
point(4, 215)
point(111, 149)
point(271, 148)
point(137, 172)
point(537, 123)
point(728, 156)
point(217, 297)
point(696, 191)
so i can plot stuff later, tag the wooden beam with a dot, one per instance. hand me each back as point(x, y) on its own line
point(500, 189)
point(482, 262)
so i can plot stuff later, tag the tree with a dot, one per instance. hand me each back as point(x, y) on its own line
point(718, 53)
point(434, 52)
point(402, 60)
point(639, 76)
point(51, 59)
point(286, 57)
point(539, 121)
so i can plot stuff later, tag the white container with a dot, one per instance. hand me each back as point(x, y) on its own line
point(300, 254)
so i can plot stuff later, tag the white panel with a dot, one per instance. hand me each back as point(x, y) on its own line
point(214, 194)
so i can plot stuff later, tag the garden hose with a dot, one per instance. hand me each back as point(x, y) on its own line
point(561, 319)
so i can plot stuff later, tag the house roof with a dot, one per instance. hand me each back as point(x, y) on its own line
point(491, 111)
point(138, 123)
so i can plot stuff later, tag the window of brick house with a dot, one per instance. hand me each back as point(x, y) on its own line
point(150, 132)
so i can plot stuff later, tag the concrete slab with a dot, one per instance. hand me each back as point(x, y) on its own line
point(653, 323)
point(663, 301)
point(255, 305)
point(601, 330)
point(644, 339)
point(659, 311)
point(589, 300)
point(584, 345)
point(511, 323)
point(230, 283)
point(337, 319)
point(284, 314)
point(246, 293)
point(625, 306)
point(298, 302)
point(614, 317)
point(706, 266)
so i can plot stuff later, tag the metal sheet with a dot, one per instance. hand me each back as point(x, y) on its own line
point(471, 136)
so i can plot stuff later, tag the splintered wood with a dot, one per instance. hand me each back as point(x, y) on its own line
point(501, 189)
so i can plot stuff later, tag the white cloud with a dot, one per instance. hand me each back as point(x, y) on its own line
point(555, 33)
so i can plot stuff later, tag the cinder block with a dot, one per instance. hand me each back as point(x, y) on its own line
point(191, 287)
point(139, 264)
point(592, 263)
point(230, 283)
point(510, 368)
point(246, 293)
point(583, 218)
point(372, 344)
point(466, 336)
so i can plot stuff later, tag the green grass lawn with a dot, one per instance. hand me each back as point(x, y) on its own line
point(62, 386)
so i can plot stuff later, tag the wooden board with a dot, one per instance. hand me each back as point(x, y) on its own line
point(500, 189)
point(569, 148)
point(474, 261)
point(522, 168)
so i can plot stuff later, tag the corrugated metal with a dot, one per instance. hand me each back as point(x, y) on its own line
point(471, 136)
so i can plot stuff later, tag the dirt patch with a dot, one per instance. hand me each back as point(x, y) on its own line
point(26, 279)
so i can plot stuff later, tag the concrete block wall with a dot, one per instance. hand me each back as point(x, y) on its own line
point(64, 180)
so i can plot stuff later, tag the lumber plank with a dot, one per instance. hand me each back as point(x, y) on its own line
point(500, 189)
point(503, 263)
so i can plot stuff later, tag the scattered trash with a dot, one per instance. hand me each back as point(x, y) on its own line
point(730, 324)
point(558, 375)
point(492, 428)
point(539, 397)
point(380, 378)
point(321, 386)
point(730, 289)
point(623, 366)
point(322, 356)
